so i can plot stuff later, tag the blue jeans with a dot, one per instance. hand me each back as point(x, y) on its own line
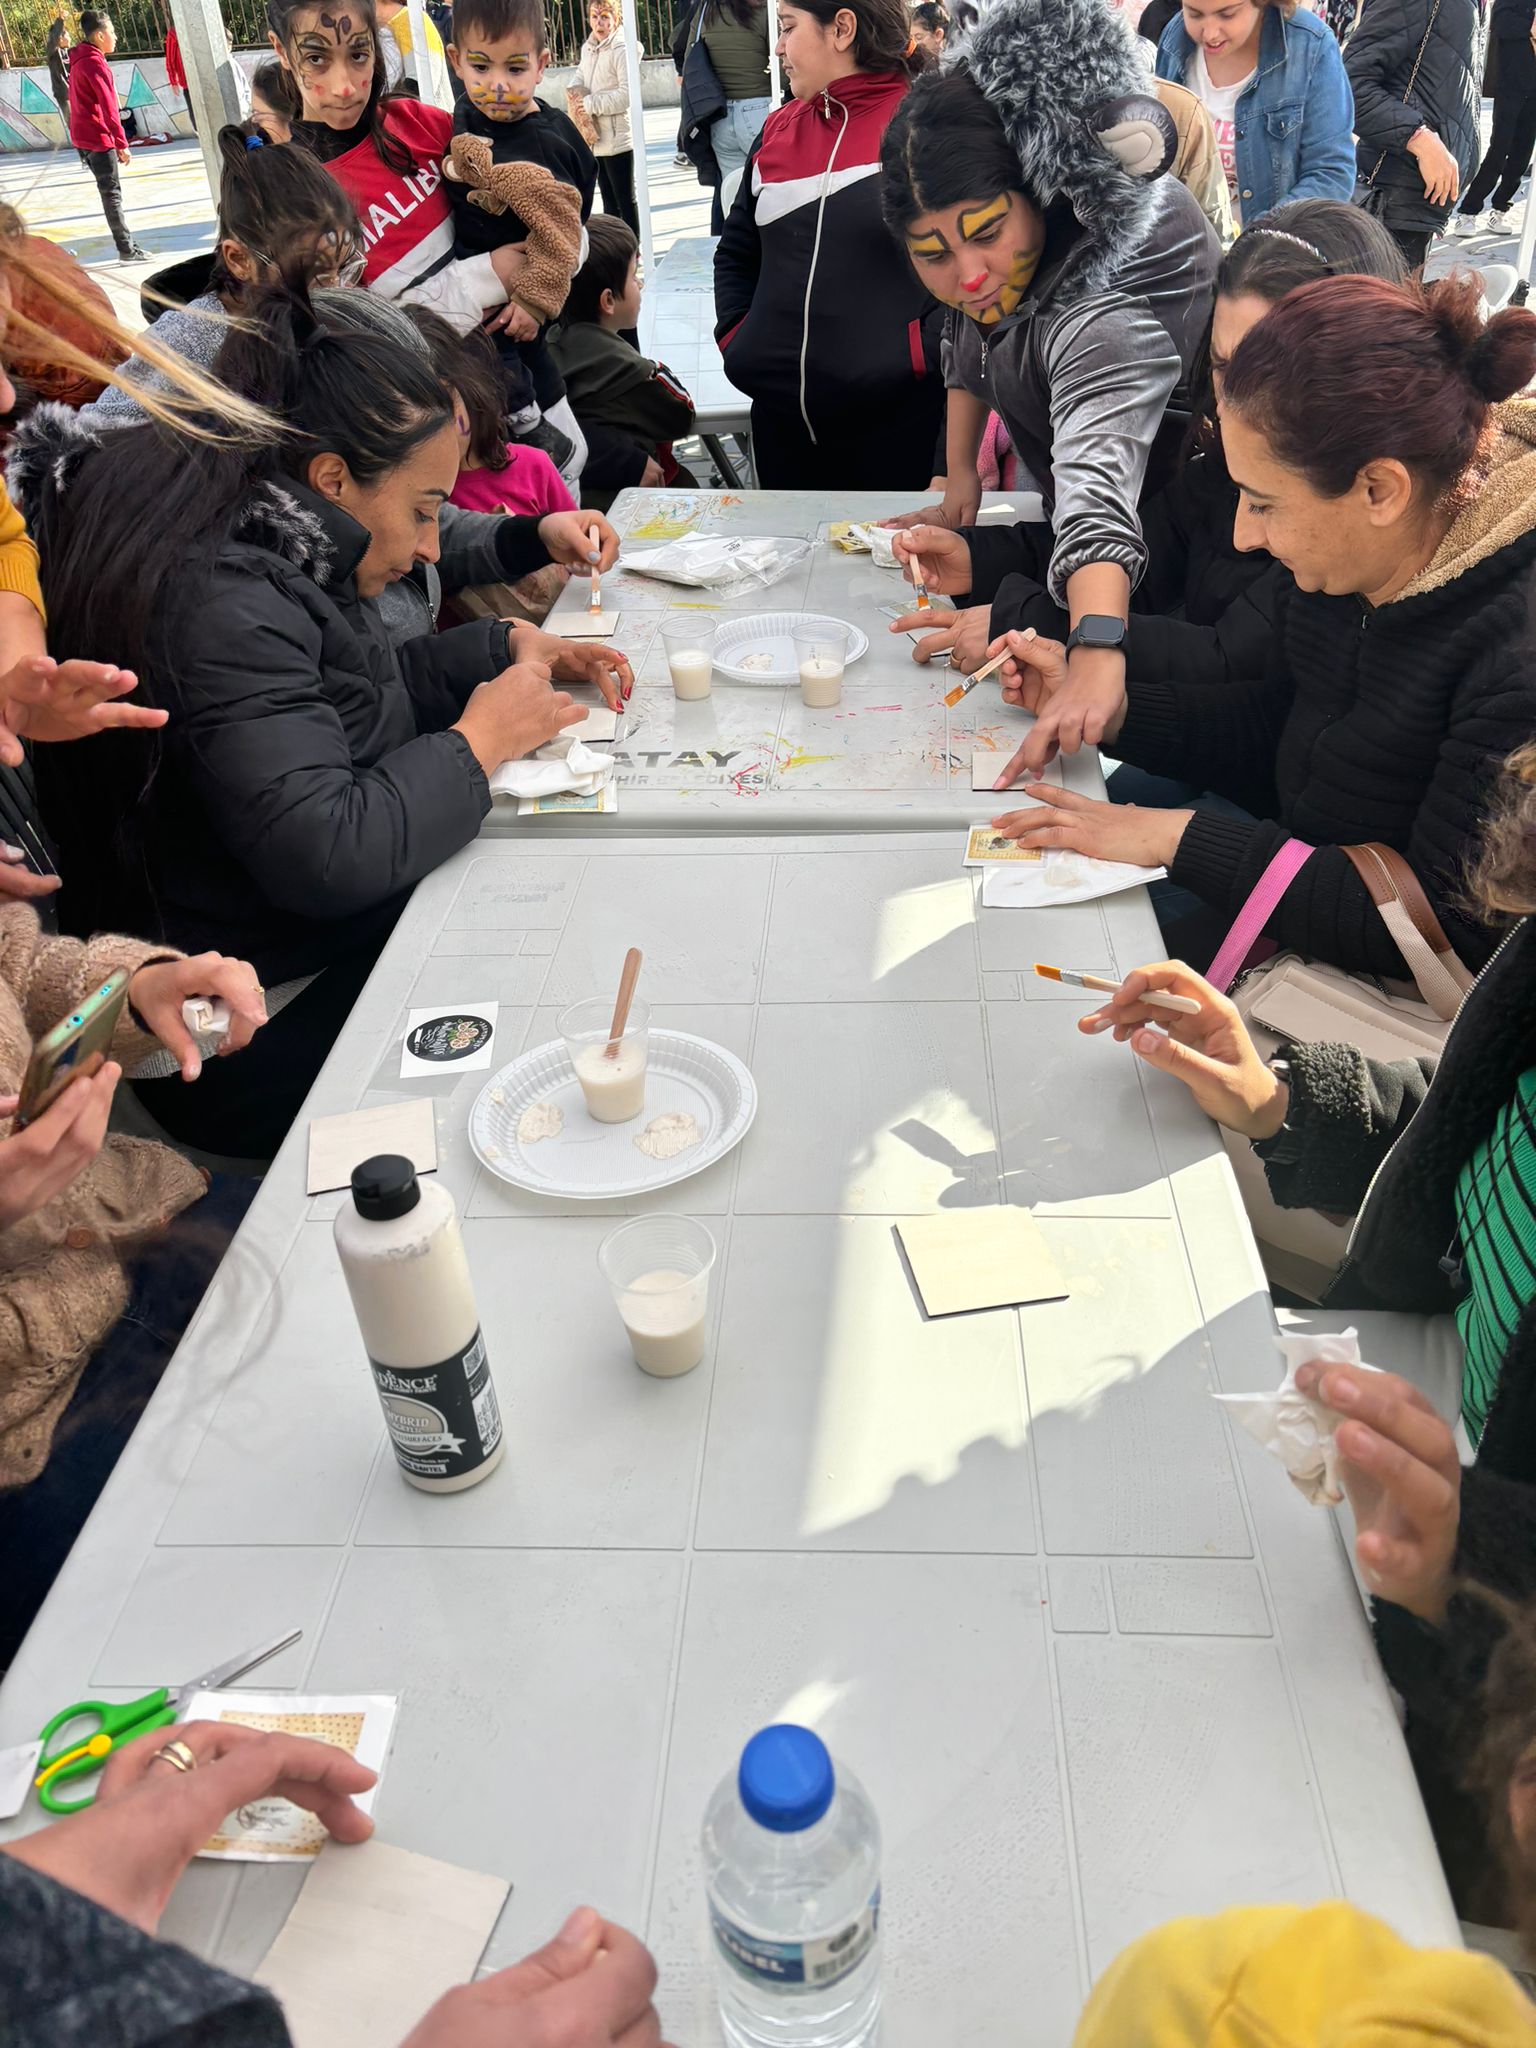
point(167, 1279)
point(731, 138)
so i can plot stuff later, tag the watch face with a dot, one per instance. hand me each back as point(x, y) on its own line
point(1100, 632)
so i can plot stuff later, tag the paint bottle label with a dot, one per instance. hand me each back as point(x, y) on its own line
point(442, 1419)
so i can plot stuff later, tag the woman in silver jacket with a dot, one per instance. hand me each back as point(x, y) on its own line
point(1025, 184)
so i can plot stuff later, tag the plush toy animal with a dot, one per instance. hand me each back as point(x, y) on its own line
point(550, 211)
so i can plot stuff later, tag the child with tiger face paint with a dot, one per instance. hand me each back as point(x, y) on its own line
point(1025, 186)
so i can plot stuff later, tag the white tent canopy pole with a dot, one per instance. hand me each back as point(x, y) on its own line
point(428, 72)
point(637, 128)
point(210, 70)
point(1527, 247)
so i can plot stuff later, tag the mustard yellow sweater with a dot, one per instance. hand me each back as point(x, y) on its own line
point(18, 557)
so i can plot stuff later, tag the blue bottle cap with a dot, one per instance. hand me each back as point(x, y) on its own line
point(786, 1780)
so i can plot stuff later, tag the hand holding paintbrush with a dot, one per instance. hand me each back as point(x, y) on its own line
point(1204, 1044)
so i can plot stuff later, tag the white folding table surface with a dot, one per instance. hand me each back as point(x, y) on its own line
point(1095, 1660)
point(750, 757)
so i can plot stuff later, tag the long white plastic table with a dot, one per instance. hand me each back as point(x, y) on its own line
point(1095, 1660)
point(751, 757)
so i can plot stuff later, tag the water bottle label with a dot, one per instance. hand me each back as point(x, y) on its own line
point(442, 1419)
point(814, 1964)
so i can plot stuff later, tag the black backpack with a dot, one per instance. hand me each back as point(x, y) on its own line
point(702, 104)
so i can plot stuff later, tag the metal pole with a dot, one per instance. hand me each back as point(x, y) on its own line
point(1527, 248)
point(210, 70)
point(637, 129)
point(775, 82)
point(429, 78)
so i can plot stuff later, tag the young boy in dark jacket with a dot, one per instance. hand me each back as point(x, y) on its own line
point(630, 409)
point(95, 124)
point(500, 51)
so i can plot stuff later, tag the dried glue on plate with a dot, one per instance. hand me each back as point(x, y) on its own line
point(403, 1257)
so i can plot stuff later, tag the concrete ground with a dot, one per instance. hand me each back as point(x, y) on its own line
point(165, 198)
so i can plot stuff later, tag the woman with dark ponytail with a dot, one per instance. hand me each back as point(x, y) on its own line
point(819, 318)
point(1396, 482)
point(282, 220)
point(308, 775)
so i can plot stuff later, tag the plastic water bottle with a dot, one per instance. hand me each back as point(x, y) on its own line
point(792, 1862)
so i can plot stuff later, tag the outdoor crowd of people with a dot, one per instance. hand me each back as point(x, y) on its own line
point(1283, 580)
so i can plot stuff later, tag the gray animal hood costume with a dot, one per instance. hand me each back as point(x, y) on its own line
point(1082, 373)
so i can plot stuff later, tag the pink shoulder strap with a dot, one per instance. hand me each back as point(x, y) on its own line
point(1255, 913)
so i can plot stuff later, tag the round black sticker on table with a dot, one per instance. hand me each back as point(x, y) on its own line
point(445, 1039)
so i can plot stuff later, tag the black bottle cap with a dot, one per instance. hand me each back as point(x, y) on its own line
point(385, 1186)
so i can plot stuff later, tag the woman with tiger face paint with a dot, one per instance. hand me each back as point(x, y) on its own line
point(1024, 185)
point(386, 151)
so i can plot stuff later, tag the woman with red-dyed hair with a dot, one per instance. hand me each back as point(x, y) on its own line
point(1382, 457)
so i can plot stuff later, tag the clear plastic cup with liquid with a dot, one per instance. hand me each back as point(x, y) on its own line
point(659, 1268)
point(690, 648)
point(821, 651)
point(613, 1088)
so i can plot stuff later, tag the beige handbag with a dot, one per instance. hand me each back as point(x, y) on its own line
point(1289, 1000)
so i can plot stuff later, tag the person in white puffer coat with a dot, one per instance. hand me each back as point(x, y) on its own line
point(604, 92)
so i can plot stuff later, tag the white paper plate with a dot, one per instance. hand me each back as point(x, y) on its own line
point(773, 633)
point(593, 1162)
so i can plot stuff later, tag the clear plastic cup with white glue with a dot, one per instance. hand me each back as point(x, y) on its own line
point(613, 1086)
point(690, 657)
point(659, 1268)
point(821, 650)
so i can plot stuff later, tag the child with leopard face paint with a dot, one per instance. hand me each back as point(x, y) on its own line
point(387, 153)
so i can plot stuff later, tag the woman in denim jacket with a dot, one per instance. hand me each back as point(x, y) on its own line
point(1274, 85)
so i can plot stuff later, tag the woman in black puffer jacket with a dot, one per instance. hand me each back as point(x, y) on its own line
point(1412, 66)
point(1204, 611)
point(1402, 498)
point(1440, 1161)
point(307, 777)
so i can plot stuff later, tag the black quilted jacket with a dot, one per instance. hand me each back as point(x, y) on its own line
point(1351, 1115)
point(1202, 613)
point(1444, 96)
point(1387, 723)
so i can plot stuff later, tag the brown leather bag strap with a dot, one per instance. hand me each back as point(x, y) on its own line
point(1405, 910)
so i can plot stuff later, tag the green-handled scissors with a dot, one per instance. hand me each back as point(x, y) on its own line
point(120, 1722)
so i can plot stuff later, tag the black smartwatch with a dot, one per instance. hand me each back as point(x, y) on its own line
point(1097, 629)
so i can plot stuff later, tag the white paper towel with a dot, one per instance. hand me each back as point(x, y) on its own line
point(1059, 876)
point(1298, 1430)
point(565, 764)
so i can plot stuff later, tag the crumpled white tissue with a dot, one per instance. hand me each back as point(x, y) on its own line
point(1060, 876)
point(566, 763)
point(1296, 1429)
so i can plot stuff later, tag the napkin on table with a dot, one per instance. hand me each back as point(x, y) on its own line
point(567, 763)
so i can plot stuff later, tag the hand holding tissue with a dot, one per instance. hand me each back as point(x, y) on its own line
point(1298, 1430)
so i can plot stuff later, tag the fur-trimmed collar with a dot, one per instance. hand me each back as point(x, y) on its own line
point(286, 518)
point(1047, 66)
point(1501, 508)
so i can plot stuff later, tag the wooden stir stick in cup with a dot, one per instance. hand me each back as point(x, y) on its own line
point(627, 982)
